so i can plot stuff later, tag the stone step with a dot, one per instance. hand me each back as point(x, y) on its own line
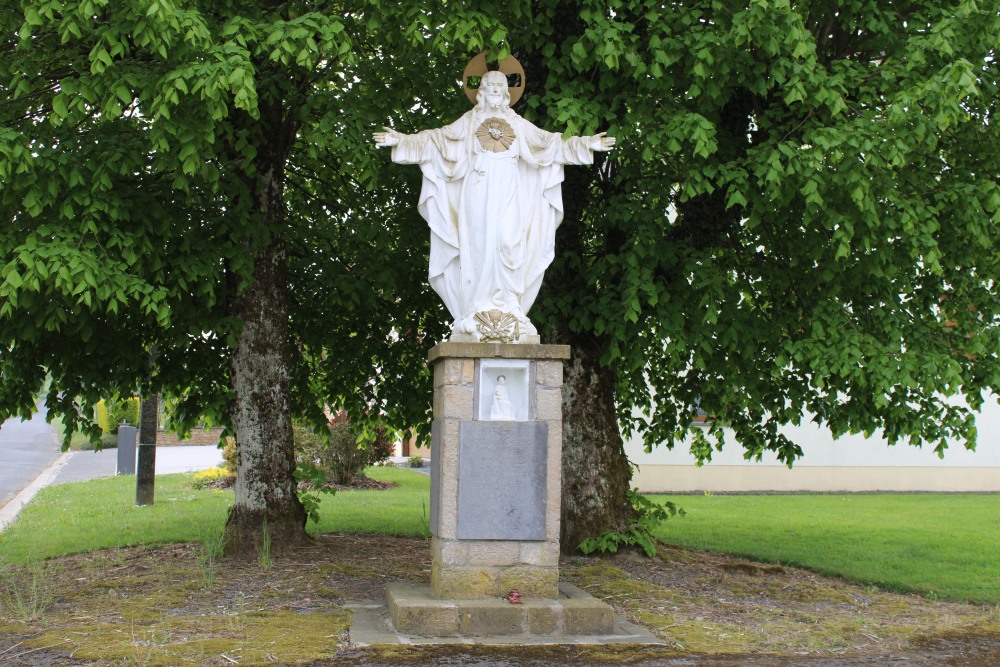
point(415, 611)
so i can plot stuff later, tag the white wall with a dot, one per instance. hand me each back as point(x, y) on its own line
point(851, 463)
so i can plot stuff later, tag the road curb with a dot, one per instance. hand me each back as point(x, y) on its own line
point(10, 511)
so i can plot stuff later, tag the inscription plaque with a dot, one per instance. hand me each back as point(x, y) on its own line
point(502, 480)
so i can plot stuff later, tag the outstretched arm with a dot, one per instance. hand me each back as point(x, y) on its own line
point(420, 147)
point(551, 148)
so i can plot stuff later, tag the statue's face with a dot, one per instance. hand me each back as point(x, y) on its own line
point(495, 85)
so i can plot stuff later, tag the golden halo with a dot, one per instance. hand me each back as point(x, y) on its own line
point(477, 68)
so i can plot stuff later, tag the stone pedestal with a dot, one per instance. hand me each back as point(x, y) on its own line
point(495, 483)
point(496, 468)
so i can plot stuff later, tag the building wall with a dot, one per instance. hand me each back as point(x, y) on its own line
point(411, 445)
point(851, 463)
point(199, 436)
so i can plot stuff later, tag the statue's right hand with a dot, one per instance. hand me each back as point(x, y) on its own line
point(389, 137)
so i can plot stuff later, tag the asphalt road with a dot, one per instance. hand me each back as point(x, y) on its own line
point(26, 449)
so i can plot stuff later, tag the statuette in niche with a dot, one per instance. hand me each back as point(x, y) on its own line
point(502, 407)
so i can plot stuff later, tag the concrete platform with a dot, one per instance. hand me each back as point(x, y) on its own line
point(372, 626)
point(415, 611)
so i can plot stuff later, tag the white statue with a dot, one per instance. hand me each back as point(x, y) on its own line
point(492, 197)
point(501, 408)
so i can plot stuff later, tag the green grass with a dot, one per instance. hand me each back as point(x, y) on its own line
point(942, 546)
point(101, 514)
point(404, 510)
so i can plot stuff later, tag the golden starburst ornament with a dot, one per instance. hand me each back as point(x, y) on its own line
point(495, 135)
point(496, 326)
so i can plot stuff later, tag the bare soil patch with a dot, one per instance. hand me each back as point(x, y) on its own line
point(175, 605)
point(358, 483)
point(366, 483)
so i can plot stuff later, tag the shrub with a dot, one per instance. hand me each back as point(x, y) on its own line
point(111, 413)
point(343, 458)
point(309, 445)
point(123, 411)
point(340, 452)
point(83, 444)
point(416, 462)
point(380, 446)
point(205, 477)
point(229, 455)
point(102, 416)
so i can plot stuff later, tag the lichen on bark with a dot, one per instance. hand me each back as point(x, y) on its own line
point(596, 472)
point(260, 413)
point(261, 416)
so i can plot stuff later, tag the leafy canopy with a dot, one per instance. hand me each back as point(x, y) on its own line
point(800, 217)
point(134, 142)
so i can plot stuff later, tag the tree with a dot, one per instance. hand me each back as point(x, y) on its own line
point(801, 217)
point(149, 154)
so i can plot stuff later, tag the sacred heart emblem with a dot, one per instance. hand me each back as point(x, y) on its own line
point(495, 135)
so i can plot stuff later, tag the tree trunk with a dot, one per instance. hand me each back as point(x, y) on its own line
point(595, 471)
point(267, 510)
point(266, 500)
point(261, 417)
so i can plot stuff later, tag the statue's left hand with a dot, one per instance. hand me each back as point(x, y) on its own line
point(599, 142)
point(388, 137)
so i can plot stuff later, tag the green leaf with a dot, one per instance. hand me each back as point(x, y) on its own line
point(59, 106)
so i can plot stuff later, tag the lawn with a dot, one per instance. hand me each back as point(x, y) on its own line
point(403, 510)
point(101, 514)
point(942, 546)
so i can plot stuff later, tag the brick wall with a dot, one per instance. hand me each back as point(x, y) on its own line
point(199, 436)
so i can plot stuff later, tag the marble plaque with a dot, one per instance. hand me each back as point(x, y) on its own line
point(502, 480)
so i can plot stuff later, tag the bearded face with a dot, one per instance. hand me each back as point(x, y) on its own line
point(493, 92)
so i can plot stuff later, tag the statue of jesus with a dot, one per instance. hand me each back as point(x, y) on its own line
point(492, 197)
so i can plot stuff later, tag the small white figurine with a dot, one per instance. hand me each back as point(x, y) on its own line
point(502, 408)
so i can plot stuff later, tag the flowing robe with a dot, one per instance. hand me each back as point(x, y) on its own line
point(492, 215)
